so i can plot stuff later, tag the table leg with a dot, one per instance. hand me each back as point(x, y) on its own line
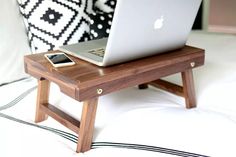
point(143, 86)
point(87, 125)
point(42, 98)
point(188, 88)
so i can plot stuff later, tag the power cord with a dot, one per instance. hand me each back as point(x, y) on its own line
point(73, 138)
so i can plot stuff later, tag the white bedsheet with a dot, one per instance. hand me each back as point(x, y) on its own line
point(151, 117)
point(215, 81)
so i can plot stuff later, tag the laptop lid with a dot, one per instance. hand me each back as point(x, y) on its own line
point(147, 27)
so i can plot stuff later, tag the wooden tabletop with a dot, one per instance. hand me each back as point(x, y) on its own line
point(84, 80)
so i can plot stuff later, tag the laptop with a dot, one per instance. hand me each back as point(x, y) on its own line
point(139, 29)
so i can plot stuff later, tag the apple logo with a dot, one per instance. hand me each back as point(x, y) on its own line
point(159, 23)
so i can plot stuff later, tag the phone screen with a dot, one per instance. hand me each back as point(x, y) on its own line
point(59, 58)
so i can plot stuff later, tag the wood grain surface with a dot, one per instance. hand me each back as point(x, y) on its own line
point(82, 80)
point(86, 82)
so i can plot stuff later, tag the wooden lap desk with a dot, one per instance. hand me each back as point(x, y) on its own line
point(86, 82)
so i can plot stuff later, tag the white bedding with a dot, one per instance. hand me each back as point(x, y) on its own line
point(215, 81)
point(150, 117)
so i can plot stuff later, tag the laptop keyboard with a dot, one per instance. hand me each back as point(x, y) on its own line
point(98, 52)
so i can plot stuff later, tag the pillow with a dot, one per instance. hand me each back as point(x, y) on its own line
point(100, 25)
point(53, 23)
point(13, 42)
point(101, 18)
point(106, 6)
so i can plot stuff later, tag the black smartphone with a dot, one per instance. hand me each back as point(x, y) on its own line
point(59, 59)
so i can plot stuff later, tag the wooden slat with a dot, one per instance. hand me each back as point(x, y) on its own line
point(62, 117)
point(168, 86)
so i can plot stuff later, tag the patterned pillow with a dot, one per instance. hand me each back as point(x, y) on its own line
point(101, 19)
point(106, 6)
point(100, 25)
point(52, 23)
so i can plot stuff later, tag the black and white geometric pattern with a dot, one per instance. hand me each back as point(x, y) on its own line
point(101, 19)
point(52, 23)
point(106, 6)
point(100, 25)
point(111, 4)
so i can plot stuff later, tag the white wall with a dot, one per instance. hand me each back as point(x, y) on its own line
point(220, 16)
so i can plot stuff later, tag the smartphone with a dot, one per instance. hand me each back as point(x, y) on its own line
point(59, 59)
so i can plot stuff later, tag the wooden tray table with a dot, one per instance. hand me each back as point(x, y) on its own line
point(86, 82)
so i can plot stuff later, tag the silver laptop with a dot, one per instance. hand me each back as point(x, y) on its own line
point(140, 28)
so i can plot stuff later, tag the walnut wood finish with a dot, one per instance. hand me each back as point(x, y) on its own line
point(82, 80)
point(43, 109)
point(86, 82)
point(168, 86)
point(61, 117)
point(188, 88)
point(87, 125)
point(42, 98)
